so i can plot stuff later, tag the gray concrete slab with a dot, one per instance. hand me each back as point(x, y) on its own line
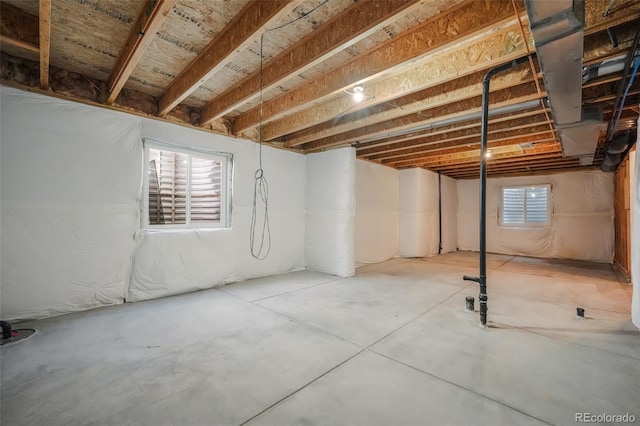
point(372, 390)
point(362, 309)
point(203, 358)
point(261, 288)
point(547, 378)
point(391, 346)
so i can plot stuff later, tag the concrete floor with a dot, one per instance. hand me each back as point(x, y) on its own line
point(391, 346)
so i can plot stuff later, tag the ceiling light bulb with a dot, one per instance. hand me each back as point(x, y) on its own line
point(358, 94)
point(487, 154)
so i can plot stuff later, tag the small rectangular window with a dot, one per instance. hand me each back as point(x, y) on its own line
point(524, 206)
point(185, 189)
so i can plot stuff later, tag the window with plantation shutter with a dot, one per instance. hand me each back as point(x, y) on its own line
point(185, 189)
point(524, 206)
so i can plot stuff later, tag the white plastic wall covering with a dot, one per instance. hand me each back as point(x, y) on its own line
point(167, 263)
point(329, 242)
point(419, 225)
point(70, 183)
point(449, 188)
point(376, 218)
point(70, 213)
point(634, 179)
point(581, 218)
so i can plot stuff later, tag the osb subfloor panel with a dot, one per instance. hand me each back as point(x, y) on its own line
point(390, 346)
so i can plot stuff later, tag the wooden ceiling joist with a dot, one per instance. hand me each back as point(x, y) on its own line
point(518, 127)
point(431, 71)
point(142, 34)
point(541, 161)
point(454, 90)
point(345, 29)
point(45, 41)
point(534, 134)
point(246, 27)
point(452, 26)
point(544, 143)
point(515, 95)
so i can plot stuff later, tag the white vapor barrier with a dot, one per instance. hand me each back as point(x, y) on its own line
point(419, 223)
point(71, 188)
point(70, 182)
point(376, 218)
point(581, 218)
point(634, 179)
point(167, 263)
point(329, 244)
point(449, 194)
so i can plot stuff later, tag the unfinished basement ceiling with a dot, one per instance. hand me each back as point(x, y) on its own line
point(420, 64)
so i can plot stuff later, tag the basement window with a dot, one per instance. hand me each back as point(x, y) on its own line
point(185, 188)
point(525, 206)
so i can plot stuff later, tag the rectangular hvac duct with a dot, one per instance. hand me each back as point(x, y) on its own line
point(581, 139)
point(557, 27)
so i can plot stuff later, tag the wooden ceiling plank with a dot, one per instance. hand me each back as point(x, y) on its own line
point(451, 26)
point(531, 135)
point(400, 142)
point(519, 94)
point(252, 21)
point(343, 30)
point(518, 127)
point(433, 70)
point(520, 168)
point(45, 41)
point(543, 159)
point(143, 31)
point(420, 102)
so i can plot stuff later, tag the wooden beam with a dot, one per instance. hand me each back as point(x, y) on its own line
point(253, 20)
point(523, 167)
point(143, 31)
point(456, 137)
point(562, 169)
point(552, 148)
point(450, 27)
point(45, 41)
point(390, 143)
point(544, 143)
point(538, 133)
point(523, 93)
point(522, 164)
point(595, 46)
point(343, 30)
point(454, 90)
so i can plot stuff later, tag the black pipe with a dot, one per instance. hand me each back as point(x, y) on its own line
point(440, 212)
point(622, 83)
point(6, 329)
point(484, 130)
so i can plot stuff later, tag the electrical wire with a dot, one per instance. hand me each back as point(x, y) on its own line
point(261, 186)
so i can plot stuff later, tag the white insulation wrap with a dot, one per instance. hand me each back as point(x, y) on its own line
point(376, 220)
point(634, 178)
point(70, 183)
point(329, 245)
point(419, 223)
point(449, 189)
point(168, 263)
point(581, 224)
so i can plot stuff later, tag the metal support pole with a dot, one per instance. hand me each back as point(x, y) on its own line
point(482, 279)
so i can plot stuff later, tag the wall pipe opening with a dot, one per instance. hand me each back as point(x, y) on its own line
point(484, 131)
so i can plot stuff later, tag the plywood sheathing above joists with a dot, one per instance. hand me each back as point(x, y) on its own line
point(450, 27)
point(254, 19)
point(345, 29)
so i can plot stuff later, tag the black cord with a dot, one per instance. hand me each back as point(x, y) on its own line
point(261, 186)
